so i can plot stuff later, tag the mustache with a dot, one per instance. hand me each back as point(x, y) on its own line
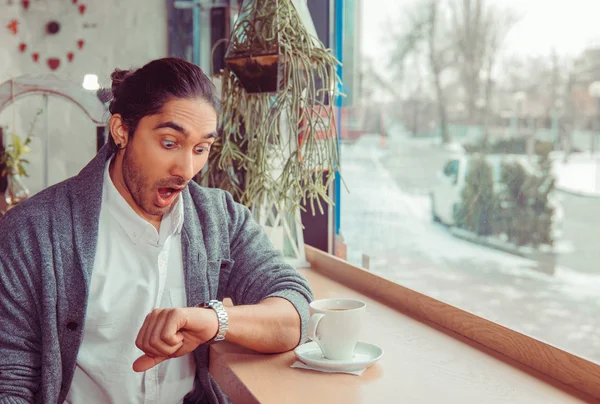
point(172, 182)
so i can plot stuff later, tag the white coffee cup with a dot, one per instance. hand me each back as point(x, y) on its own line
point(335, 326)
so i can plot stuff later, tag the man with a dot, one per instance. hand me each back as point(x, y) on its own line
point(111, 282)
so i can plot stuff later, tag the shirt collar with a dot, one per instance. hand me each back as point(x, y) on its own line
point(176, 214)
point(132, 224)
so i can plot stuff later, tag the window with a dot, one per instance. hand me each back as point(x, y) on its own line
point(513, 115)
point(451, 168)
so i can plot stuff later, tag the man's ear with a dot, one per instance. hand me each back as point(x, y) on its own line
point(118, 131)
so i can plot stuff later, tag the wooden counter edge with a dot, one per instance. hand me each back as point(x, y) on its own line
point(225, 377)
point(573, 374)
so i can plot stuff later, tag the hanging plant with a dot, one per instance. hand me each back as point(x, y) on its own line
point(278, 144)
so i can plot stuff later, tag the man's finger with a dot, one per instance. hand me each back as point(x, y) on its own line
point(155, 344)
point(141, 339)
point(173, 327)
point(145, 362)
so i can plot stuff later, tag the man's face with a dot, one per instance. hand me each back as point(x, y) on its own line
point(166, 151)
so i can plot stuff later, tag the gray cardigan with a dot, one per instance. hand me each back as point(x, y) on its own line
point(47, 248)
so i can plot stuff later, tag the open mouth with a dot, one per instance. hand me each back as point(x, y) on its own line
point(166, 196)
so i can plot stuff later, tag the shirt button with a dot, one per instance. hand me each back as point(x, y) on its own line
point(72, 326)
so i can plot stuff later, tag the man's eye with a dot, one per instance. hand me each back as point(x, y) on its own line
point(168, 144)
point(201, 150)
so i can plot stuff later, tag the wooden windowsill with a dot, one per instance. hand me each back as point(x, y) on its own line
point(427, 359)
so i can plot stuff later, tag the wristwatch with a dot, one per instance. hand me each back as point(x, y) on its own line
point(218, 307)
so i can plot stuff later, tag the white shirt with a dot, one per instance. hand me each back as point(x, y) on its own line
point(136, 269)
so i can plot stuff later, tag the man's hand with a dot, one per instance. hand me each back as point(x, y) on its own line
point(171, 333)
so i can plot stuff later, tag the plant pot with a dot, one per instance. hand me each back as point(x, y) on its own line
point(253, 53)
point(257, 74)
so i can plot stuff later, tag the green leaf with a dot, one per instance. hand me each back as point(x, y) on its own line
point(17, 146)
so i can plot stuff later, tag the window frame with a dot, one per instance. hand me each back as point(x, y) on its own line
point(558, 365)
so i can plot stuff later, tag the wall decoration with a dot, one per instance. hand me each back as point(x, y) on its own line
point(13, 26)
point(59, 23)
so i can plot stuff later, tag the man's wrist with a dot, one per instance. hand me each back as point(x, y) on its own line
point(222, 319)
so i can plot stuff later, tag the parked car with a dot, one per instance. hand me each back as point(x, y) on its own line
point(446, 194)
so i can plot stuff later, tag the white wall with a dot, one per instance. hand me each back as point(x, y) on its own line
point(126, 34)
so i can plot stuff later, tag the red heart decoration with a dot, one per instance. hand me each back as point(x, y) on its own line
point(81, 9)
point(74, 1)
point(35, 56)
point(53, 63)
point(25, 4)
point(13, 26)
point(70, 56)
point(80, 43)
point(22, 47)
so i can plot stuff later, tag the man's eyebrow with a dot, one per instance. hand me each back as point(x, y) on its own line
point(174, 126)
point(180, 129)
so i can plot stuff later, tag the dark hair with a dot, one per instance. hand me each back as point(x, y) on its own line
point(142, 92)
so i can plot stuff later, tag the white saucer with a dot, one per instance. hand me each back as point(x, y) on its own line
point(365, 355)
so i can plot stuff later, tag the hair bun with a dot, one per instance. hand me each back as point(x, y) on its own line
point(118, 77)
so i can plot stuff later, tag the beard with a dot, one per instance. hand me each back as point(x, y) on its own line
point(140, 189)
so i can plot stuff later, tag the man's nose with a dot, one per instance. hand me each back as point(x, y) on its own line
point(184, 166)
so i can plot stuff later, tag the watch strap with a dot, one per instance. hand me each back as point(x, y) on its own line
point(222, 316)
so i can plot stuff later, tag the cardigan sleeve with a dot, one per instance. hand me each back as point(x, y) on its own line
point(259, 270)
point(20, 339)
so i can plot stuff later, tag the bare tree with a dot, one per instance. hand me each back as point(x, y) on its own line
point(437, 65)
point(468, 27)
point(463, 37)
point(423, 39)
point(479, 30)
point(546, 80)
point(416, 95)
point(498, 25)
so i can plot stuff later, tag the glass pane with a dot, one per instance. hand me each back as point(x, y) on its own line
point(504, 97)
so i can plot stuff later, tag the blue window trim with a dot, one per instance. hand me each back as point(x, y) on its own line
point(339, 54)
point(196, 36)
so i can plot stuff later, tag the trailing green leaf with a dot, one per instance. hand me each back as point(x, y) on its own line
point(269, 148)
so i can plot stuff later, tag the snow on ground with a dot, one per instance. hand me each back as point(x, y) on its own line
point(381, 197)
point(580, 175)
point(394, 228)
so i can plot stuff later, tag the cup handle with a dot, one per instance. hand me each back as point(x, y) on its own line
point(311, 329)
